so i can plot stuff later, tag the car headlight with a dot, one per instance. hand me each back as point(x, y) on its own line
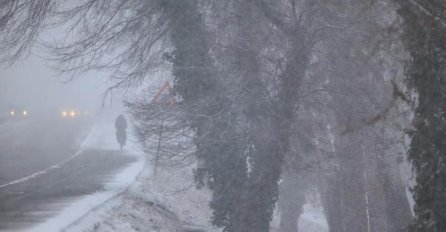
point(25, 113)
point(12, 113)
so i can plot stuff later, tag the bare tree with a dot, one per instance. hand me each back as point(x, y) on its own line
point(20, 24)
point(248, 77)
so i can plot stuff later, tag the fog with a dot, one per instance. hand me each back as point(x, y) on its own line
point(34, 84)
point(223, 116)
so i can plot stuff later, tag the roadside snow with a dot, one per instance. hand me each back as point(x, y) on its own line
point(167, 203)
point(312, 220)
point(101, 136)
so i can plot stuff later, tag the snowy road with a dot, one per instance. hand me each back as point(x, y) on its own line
point(47, 164)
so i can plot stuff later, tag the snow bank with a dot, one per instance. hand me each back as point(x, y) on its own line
point(165, 203)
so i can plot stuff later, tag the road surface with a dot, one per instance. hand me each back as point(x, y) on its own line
point(43, 168)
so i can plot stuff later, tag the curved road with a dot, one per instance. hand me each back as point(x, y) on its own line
point(42, 168)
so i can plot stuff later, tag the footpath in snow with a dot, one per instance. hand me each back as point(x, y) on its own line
point(101, 137)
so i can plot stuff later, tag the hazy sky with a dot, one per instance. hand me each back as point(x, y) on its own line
point(30, 83)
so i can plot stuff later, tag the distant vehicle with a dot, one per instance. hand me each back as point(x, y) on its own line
point(18, 112)
point(75, 113)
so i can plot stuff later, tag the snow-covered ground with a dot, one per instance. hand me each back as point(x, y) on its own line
point(168, 203)
point(312, 220)
point(139, 201)
point(165, 203)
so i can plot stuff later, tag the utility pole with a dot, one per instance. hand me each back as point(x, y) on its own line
point(158, 148)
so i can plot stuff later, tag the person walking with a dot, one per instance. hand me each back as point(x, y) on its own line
point(121, 130)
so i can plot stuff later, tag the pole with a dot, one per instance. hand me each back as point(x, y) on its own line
point(158, 148)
